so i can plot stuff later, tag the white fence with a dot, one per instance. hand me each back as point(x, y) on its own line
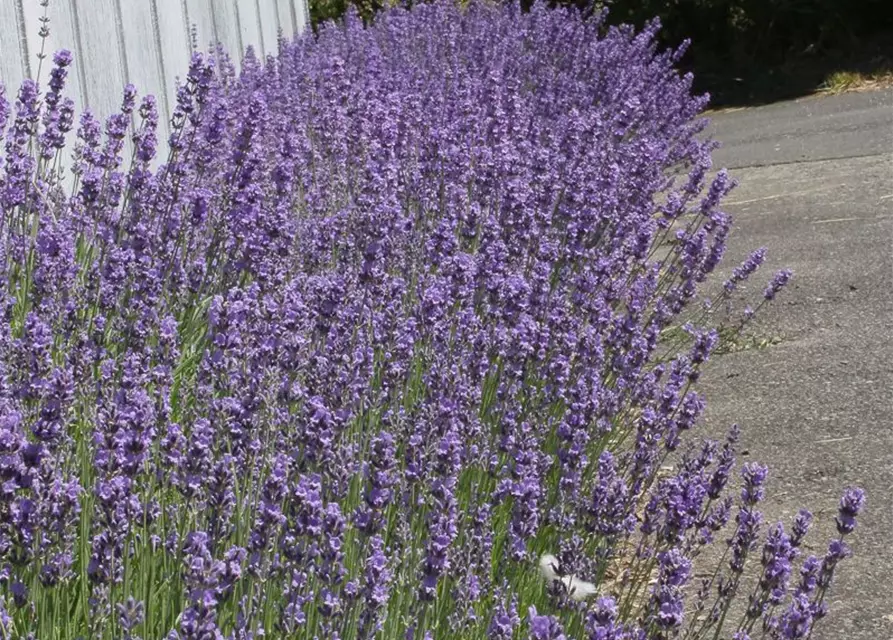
point(146, 42)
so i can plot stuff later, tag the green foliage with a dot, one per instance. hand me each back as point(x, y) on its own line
point(757, 31)
point(323, 10)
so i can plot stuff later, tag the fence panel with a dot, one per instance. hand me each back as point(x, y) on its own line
point(268, 16)
point(226, 17)
point(145, 42)
point(12, 58)
point(250, 25)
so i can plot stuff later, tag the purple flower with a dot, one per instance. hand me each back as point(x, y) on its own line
point(442, 527)
point(778, 555)
point(504, 621)
point(382, 479)
point(19, 593)
point(198, 623)
point(851, 504)
point(131, 614)
point(802, 522)
point(809, 574)
point(743, 542)
point(742, 272)
point(717, 518)
point(723, 471)
point(796, 621)
point(602, 623)
point(675, 568)
point(376, 587)
point(610, 508)
point(202, 573)
point(754, 476)
point(543, 627)
point(837, 550)
point(670, 608)
point(667, 604)
point(779, 280)
point(233, 560)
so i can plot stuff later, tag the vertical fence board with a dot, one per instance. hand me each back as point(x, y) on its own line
point(31, 14)
point(283, 8)
point(63, 35)
point(145, 67)
point(248, 21)
point(12, 61)
point(227, 19)
point(173, 36)
point(299, 11)
point(268, 16)
point(200, 14)
point(101, 55)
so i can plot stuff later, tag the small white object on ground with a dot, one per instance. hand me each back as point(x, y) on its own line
point(576, 588)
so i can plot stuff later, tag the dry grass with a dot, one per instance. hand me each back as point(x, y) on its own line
point(842, 81)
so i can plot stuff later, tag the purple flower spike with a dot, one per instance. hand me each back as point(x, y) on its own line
point(777, 283)
point(131, 614)
point(754, 476)
point(802, 522)
point(19, 593)
point(504, 621)
point(809, 575)
point(851, 504)
point(602, 623)
point(796, 621)
point(837, 550)
point(543, 627)
point(744, 271)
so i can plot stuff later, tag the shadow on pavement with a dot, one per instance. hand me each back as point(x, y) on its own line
point(869, 64)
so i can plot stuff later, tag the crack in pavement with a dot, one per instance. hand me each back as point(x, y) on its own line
point(764, 165)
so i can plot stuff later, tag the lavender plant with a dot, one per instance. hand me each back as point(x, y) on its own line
point(405, 310)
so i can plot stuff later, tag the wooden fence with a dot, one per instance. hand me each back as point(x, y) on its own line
point(145, 42)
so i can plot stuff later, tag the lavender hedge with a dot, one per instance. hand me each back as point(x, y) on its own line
point(401, 340)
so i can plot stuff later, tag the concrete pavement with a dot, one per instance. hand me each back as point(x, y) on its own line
point(813, 128)
point(816, 188)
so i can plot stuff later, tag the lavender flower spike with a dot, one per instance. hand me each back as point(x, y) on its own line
point(851, 504)
point(778, 282)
